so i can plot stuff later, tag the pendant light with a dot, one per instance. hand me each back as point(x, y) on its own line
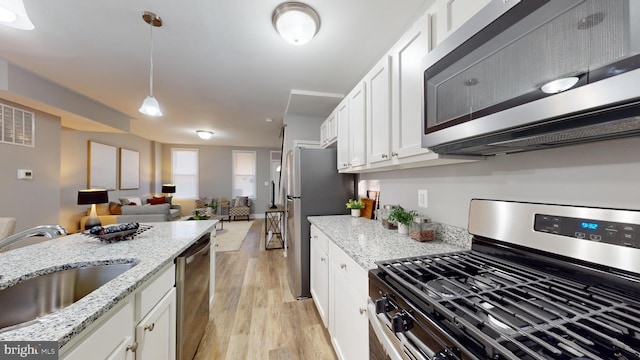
point(12, 13)
point(150, 105)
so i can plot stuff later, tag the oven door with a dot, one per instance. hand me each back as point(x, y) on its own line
point(395, 346)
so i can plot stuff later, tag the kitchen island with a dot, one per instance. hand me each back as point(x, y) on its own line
point(152, 251)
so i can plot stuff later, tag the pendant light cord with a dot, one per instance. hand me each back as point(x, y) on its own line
point(151, 60)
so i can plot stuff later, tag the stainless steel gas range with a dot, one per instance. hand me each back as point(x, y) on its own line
point(540, 282)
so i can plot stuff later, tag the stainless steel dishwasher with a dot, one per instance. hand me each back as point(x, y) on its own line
point(192, 287)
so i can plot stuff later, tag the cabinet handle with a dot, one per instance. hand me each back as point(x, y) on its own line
point(362, 310)
point(343, 266)
point(150, 327)
point(323, 259)
point(133, 347)
point(394, 154)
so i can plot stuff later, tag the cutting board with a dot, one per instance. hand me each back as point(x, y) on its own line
point(369, 208)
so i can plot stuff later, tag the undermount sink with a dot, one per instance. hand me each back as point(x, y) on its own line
point(26, 301)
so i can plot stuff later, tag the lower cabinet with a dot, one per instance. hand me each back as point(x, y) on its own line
point(142, 326)
point(320, 273)
point(343, 284)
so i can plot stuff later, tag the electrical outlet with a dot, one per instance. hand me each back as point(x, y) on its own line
point(422, 199)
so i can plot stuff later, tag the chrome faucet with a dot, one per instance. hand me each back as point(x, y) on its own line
point(48, 231)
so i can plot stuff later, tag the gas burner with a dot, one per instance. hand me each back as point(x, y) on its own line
point(445, 288)
point(482, 282)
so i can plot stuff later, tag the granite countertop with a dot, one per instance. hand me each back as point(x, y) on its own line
point(151, 251)
point(366, 241)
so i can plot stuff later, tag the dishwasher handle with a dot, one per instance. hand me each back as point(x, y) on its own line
point(204, 250)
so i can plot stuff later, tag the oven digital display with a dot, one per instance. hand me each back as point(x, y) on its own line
point(609, 232)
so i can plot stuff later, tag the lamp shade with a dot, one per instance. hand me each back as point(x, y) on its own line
point(13, 13)
point(168, 188)
point(92, 196)
point(150, 107)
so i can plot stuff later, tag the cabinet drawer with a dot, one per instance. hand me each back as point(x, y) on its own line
point(354, 273)
point(320, 239)
point(151, 295)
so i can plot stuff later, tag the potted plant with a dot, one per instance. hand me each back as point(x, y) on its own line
point(213, 205)
point(355, 206)
point(402, 218)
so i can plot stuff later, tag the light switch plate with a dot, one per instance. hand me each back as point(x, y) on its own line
point(25, 174)
point(422, 199)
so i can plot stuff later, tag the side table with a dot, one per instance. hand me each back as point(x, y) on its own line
point(273, 219)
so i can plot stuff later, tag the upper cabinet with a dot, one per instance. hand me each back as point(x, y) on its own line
point(453, 13)
point(329, 131)
point(380, 122)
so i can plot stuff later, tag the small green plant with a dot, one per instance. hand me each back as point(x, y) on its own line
point(200, 215)
point(401, 216)
point(213, 204)
point(355, 204)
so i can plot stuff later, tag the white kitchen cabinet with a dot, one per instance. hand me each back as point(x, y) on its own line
point(320, 273)
point(142, 326)
point(329, 131)
point(111, 339)
point(453, 13)
point(407, 89)
point(379, 112)
point(357, 125)
point(348, 321)
point(344, 143)
point(156, 333)
point(212, 269)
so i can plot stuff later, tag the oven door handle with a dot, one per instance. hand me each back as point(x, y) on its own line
point(382, 327)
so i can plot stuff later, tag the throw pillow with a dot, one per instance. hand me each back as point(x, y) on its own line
point(241, 201)
point(130, 200)
point(115, 209)
point(156, 200)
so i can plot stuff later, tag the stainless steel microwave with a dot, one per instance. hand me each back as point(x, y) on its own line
point(532, 74)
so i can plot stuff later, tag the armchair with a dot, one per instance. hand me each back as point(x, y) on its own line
point(240, 206)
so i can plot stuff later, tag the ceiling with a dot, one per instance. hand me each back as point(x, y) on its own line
point(219, 65)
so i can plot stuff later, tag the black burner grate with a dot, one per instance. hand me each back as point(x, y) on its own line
point(516, 312)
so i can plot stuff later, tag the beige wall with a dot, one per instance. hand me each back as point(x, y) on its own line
point(215, 173)
point(73, 171)
point(32, 202)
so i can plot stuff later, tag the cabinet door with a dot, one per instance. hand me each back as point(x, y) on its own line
point(407, 89)
point(212, 269)
point(453, 13)
point(344, 142)
point(156, 332)
point(332, 127)
point(357, 121)
point(320, 280)
point(349, 322)
point(112, 340)
point(324, 138)
point(379, 114)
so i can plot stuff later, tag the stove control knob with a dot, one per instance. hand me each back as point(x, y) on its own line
point(447, 354)
point(382, 305)
point(401, 322)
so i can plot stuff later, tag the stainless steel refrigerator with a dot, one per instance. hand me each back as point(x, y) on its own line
point(314, 187)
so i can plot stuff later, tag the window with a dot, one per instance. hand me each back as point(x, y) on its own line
point(184, 163)
point(244, 173)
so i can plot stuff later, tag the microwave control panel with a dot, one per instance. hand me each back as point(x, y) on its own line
point(609, 232)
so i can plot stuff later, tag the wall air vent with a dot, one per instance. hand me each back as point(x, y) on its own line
point(17, 126)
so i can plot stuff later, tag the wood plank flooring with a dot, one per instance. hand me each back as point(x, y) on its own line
point(254, 315)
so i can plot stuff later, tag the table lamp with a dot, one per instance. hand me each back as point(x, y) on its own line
point(168, 190)
point(92, 197)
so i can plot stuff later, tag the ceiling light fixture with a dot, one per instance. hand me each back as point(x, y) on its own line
point(296, 22)
point(150, 105)
point(204, 134)
point(12, 13)
point(559, 85)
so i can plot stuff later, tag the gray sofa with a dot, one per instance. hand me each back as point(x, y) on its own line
point(122, 212)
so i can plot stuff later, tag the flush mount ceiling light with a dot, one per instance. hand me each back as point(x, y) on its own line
point(150, 105)
point(204, 134)
point(559, 85)
point(12, 13)
point(296, 22)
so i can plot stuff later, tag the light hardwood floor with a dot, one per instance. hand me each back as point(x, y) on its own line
point(254, 314)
